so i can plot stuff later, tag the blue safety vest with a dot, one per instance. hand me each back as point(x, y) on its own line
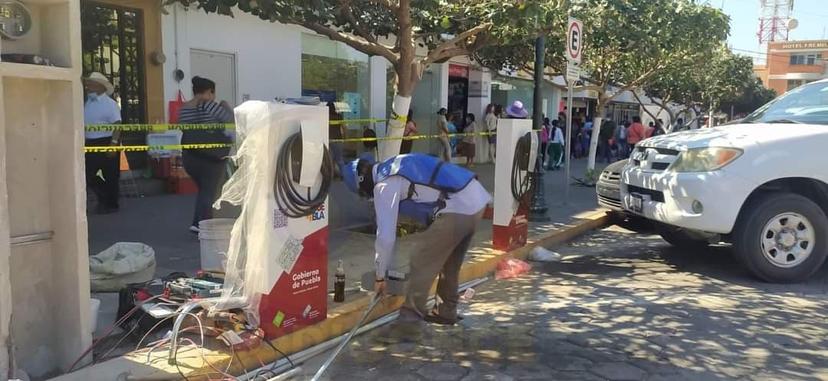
point(425, 170)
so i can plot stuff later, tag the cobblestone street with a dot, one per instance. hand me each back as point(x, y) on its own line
point(619, 306)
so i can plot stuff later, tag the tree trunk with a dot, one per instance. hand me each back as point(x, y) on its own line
point(670, 113)
point(408, 75)
point(406, 83)
point(600, 109)
point(710, 113)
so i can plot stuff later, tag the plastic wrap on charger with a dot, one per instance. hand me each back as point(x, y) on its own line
point(266, 245)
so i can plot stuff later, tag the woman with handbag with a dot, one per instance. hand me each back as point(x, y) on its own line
point(205, 166)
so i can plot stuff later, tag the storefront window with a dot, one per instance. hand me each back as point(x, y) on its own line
point(794, 83)
point(336, 72)
point(623, 112)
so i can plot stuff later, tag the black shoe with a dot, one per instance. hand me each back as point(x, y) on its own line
point(437, 319)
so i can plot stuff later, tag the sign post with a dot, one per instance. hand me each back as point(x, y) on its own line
point(574, 47)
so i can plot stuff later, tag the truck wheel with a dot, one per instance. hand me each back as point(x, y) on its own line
point(681, 238)
point(782, 237)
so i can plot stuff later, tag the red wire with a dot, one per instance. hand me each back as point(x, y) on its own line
point(109, 331)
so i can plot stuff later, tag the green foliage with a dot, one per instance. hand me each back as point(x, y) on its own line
point(630, 41)
point(626, 41)
point(513, 46)
point(372, 20)
point(753, 95)
point(724, 77)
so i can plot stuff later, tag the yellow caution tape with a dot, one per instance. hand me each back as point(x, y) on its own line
point(161, 127)
point(178, 147)
point(173, 147)
point(413, 137)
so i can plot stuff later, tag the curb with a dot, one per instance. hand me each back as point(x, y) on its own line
point(340, 320)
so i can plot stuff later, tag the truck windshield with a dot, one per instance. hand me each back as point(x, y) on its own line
point(804, 104)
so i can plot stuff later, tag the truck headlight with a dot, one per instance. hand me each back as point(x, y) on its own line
point(705, 159)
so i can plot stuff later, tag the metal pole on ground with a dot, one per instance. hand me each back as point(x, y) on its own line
point(568, 139)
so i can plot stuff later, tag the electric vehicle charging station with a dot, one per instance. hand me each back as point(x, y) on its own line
point(278, 257)
point(516, 155)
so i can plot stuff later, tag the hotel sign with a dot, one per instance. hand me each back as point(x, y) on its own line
point(804, 45)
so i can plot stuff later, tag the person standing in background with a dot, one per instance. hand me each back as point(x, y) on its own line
point(586, 136)
point(443, 131)
point(451, 126)
point(336, 130)
point(516, 111)
point(205, 166)
point(605, 135)
point(659, 128)
point(621, 139)
point(562, 120)
point(410, 130)
point(543, 138)
point(492, 113)
point(679, 126)
point(556, 146)
point(575, 139)
point(637, 132)
point(100, 108)
point(468, 140)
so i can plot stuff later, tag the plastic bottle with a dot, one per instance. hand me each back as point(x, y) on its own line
point(339, 283)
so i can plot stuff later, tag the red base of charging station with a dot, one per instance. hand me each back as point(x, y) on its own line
point(508, 238)
point(300, 297)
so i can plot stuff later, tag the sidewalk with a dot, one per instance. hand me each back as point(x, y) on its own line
point(162, 223)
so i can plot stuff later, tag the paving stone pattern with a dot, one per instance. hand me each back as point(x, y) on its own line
point(620, 306)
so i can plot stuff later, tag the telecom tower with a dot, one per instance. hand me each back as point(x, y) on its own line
point(774, 20)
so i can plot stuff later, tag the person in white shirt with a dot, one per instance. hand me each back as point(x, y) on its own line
point(555, 146)
point(445, 197)
point(100, 108)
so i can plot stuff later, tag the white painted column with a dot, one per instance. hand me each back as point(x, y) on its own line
point(5, 251)
point(443, 75)
point(480, 95)
point(378, 67)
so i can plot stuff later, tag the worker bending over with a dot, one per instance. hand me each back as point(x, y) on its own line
point(443, 196)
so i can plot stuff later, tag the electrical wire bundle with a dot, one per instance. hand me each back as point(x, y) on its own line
point(520, 163)
point(289, 198)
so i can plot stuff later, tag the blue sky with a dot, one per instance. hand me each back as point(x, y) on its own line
point(744, 22)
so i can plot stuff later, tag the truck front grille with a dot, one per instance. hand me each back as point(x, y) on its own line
point(654, 159)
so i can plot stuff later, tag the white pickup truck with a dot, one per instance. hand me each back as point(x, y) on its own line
point(761, 184)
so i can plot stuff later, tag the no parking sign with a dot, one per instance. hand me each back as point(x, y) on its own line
point(574, 40)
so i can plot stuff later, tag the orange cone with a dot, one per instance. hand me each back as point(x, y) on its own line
point(124, 162)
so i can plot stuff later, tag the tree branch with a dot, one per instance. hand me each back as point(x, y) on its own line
point(634, 84)
point(452, 48)
point(638, 99)
point(345, 8)
point(367, 47)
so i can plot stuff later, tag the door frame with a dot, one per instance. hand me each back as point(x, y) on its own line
point(156, 104)
point(235, 59)
point(142, 49)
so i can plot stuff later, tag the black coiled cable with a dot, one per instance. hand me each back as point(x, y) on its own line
point(289, 199)
point(520, 162)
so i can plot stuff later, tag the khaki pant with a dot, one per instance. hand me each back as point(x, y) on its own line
point(445, 153)
point(441, 251)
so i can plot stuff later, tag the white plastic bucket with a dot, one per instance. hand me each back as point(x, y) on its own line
point(94, 307)
point(214, 236)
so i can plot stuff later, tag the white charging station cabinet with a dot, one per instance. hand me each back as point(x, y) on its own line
point(279, 261)
point(510, 223)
